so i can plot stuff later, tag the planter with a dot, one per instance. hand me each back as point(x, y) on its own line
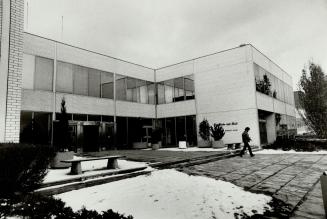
point(218, 144)
point(156, 146)
point(182, 145)
point(204, 144)
point(56, 164)
point(140, 145)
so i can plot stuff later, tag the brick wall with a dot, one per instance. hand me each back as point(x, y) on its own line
point(15, 55)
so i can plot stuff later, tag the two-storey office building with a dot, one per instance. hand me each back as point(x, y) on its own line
point(114, 103)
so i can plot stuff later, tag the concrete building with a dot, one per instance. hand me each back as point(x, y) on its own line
point(114, 103)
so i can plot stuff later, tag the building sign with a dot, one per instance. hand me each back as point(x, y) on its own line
point(230, 126)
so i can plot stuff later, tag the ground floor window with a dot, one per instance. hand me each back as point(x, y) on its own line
point(97, 132)
point(174, 129)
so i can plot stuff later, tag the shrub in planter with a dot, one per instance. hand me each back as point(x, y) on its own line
point(204, 132)
point(217, 133)
point(22, 167)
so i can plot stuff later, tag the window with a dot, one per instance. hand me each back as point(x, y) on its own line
point(107, 85)
point(151, 93)
point(120, 87)
point(178, 89)
point(131, 92)
point(94, 83)
point(64, 79)
point(80, 80)
point(189, 87)
point(169, 91)
point(161, 93)
point(142, 91)
point(43, 79)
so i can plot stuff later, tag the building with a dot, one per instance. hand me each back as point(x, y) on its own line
point(114, 103)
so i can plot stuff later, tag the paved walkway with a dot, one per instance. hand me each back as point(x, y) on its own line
point(290, 178)
point(154, 156)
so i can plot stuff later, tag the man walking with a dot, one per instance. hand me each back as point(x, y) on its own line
point(246, 139)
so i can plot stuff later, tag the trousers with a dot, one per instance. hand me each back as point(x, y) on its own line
point(246, 146)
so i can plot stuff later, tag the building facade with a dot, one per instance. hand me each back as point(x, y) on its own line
point(112, 103)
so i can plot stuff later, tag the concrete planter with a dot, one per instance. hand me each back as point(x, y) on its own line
point(156, 146)
point(140, 145)
point(204, 144)
point(218, 144)
point(56, 161)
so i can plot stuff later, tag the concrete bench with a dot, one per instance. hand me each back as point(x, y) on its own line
point(76, 167)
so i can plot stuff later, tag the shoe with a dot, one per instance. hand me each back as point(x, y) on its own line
point(252, 155)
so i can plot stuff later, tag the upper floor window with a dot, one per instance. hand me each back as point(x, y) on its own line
point(174, 90)
point(43, 77)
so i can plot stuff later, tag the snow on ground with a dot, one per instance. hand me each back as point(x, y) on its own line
point(191, 149)
point(89, 168)
point(168, 194)
point(271, 151)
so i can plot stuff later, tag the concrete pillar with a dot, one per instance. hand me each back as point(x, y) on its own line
point(11, 59)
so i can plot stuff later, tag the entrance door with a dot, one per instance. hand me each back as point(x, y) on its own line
point(90, 137)
point(263, 131)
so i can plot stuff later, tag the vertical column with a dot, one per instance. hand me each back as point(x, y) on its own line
point(11, 60)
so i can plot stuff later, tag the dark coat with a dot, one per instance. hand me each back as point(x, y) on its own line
point(245, 137)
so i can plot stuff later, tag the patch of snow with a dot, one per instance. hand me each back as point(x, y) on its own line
point(271, 151)
point(168, 194)
point(89, 168)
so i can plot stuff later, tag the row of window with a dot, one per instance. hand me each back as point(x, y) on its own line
point(85, 81)
point(278, 88)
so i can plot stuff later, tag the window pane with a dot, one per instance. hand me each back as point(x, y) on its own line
point(131, 92)
point(107, 85)
point(189, 88)
point(169, 91)
point(161, 93)
point(120, 87)
point(43, 74)
point(94, 82)
point(179, 89)
point(80, 80)
point(151, 93)
point(142, 93)
point(64, 77)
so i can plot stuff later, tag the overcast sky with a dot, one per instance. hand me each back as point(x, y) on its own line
point(156, 33)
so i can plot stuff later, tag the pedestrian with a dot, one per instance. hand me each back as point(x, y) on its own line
point(246, 139)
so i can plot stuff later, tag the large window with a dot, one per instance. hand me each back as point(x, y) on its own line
point(277, 89)
point(189, 87)
point(174, 90)
point(64, 77)
point(43, 79)
point(81, 84)
point(121, 87)
point(107, 85)
point(94, 83)
point(151, 93)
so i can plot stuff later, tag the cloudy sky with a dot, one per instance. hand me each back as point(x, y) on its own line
point(156, 33)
